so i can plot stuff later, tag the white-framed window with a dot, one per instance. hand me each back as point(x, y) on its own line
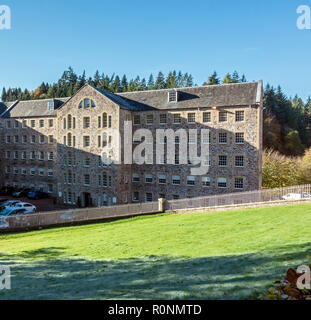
point(42, 139)
point(8, 124)
point(239, 137)
point(177, 118)
point(191, 117)
point(176, 180)
point(223, 116)
point(206, 181)
point(24, 124)
point(149, 119)
point(105, 180)
point(222, 137)
point(50, 139)
point(33, 123)
point(33, 139)
point(86, 141)
point(16, 138)
point(50, 123)
point(41, 172)
point(238, 183)
point(32, 155)
point(86, 179)
point(24, 155)
point(148, 197)
point(15, 170)
point(239, 161)
point(50, 172)
point(32, 171)
point(162, 179)
point(148, 178)
point(206, 137)
point(86, 122)
point(41, 123)
point(7, 154)
point(135, 196)
point(136, 177)
point(51, 156)
point(239, 116)
point(24, 139)
point(207, 116)
point(86, 162)
point(8, 139)
point(163, 118)
point(15, 155)
point(222, 182)
point(24, 171)
point(41, 155)
point(190, 180)
point(137, 119)
point(222, 161)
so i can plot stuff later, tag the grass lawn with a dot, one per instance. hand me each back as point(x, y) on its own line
point(219, 255)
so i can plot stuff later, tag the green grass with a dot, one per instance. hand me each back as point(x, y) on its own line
point(219, 255)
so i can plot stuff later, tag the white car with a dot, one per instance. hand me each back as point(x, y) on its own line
point(9, 204)
point(296, 196)
point(28, 207)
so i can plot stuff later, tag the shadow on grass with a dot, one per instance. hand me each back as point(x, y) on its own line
point(152, 277)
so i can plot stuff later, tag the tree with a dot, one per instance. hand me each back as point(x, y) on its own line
point(212, 80)
point(227, 78)
point(160, 82)
point(150, 82)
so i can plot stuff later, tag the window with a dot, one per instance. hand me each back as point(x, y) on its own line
point(239, 161)
point(239, 138)
point(51, 156)
point(238, 183)
point(177, 118)
point(32, 155)
point(223, 116)
point(24, 156)
point(222, 137)
point(206, 117)
point(192, 137)
point(163, 118)
point(86, 162)
point(206, 181)
point(16, 139)
point(99, 122)
point(41, 123)
point(24, 171)
point(222, 183)
point(136, 177)
point(222, 161)
point(148, 197)
point(32, 171)
point(15, 155)
point(86, 122)
point(50, 172)
point(239, 116)
point(206, 137)
point(162, 179)
point(33, 123)
point(104, 180)
point(50, 188)
point(73, 123)
point(8, 139)
point(33, 139)
point(191, 117)
point(69, 119)
point(149, 119)
point(148, 178)
point(86, 141)
point(175, 196)
point(24, 139)
point(105, 142)
point(41, 155)
point(176, 180)
point(177, 139)
point(50, 139)
point(105, 120)
point(109, 121)
point(172, 96)
point(177, 159)
point(64, 123)
point(190, 180)
point(24, 124)
point(135, 196)
point(86, 103)
point(16, 124)
point(51, 123)
point(41, 172)
point(136, 119)
point(7, 154)
point(86, 179)
point(42, 139)
point(15, 170)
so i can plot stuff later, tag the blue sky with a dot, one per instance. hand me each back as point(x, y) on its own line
point(258, 38)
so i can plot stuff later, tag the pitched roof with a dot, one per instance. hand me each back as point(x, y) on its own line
point(32, 108)
point(238, 94)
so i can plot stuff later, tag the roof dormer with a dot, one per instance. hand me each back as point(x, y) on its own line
point(172, 96)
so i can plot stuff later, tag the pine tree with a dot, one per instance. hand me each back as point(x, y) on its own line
point(150, 82)
point(212, 80)
point(160, 82)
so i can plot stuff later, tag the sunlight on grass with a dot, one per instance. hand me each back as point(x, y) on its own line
point(216, 255)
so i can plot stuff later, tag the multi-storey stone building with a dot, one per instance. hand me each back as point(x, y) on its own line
point(79, 149)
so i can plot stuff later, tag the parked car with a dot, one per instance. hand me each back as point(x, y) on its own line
point(30, 208)
point(296, 196)
point(2, 200)
point(37, 194)
point(13, 212)
point(21, 193)
point(8, 203)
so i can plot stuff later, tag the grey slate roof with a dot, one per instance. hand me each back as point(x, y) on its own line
point(239, 94)
point(225, 95)
point(33, 108)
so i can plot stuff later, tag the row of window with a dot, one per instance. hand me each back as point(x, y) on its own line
point(33, 155)
point(190, 180)
point(42, 187)
point(31, 171)
point(41, 123)
point(191, 117)
point(104, 121)
point(32, 139)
